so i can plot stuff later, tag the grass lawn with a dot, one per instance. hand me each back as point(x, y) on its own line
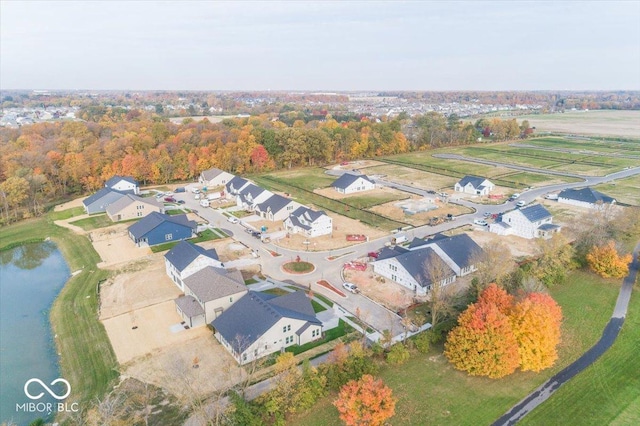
point(317, 307)
point(276, 291)
point(306, 178)
point(608, 392)
point(324, 299)
point(206, 235)
point(175, 212)
point(329, 335)
point(427, 387)
point(366, 201)
point(87, 360)
point(298, 267)
point(624, 190)
point(93, 222)
point(66, 214)
point(586, 145)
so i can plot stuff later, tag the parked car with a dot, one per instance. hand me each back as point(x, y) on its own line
point(351, 287)
point(480, 222)
point(521, 203)
point(514, 196)
point(450, 217)
point(551, 196)
point(180, 201)
point(487, 214)
point(248, 230)
point(195, 190)
point(373, 254)
point(344, 163)
point(169, 199)
point(256, 234)
point(180, 189)
point(233, 219)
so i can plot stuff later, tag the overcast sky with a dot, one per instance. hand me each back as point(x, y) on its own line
point(418, 45)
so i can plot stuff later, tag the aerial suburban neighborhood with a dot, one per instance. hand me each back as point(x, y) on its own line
point(319, 213)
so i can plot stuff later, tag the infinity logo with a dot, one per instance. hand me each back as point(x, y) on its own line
point(52, 393)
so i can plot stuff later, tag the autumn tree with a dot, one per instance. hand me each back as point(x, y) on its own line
point(607, 262)
point(536, 325)
point(555, 259)
point(365, 402)
point(483, 343)
point(493, 263)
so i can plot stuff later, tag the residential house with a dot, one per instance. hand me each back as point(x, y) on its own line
point(349, 183)
point(533, 221)
point(474, 185)
point(251, 195)
point(459, 252)
point(308, 222)
point(585, 197)
point(98, 202)
point(157, 228)
point(276, 208)
point(125, 184)
point(260, 324)
point(133, 207)
point(208, 293)
point(234, 186)
point(411, 268)
point(214, 178)
point(186, 259)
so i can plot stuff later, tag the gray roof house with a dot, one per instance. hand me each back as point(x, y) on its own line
point(234, 186)
point(585, 197)
point(186, 259)
point(157, 228)
point(474, 185)
point(98, 202)
point(309, 222)
point(250, 195)
point(214, 290)
point(133, 207)
point(533, 221)
point(214, 177)
point(276, 207)
point(123, 184)
point(260, 324)
point(349, 183)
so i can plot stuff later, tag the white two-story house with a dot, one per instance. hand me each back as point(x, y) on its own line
point(533, 221)
point(349, 183)
point(186, 259)
point(474, 185)
point(308, 222)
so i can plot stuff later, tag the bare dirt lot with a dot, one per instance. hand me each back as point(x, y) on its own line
point(394, 212)
point(415, 177)
point(356, 165)
point(342, 226)
point(519, 247)
point(386, 292)
point(611, 123)
point(69, 205)
point(382, 193)
point(115, 247)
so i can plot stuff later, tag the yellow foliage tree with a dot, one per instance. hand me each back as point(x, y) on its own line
point(607, 262)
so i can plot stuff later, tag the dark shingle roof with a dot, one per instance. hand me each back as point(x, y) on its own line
point(254, 314)
point(212, 283)
point(184, 253)
point(474, 180)
point(388, 252)
point(237, 182)
point(189, 306)
point(114, 180)
point(100, 194)
point(535, 212)
point(414, 262)
point(275, 203)
point(460, 248)
point(587, 195)
point(307, 214)
point(154, 219)
point(347, 179)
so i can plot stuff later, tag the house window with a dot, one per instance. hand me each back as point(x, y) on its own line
point(289, 328)
point(231, 299)
point(168, 237)
point(394, 278)
point(288, 340)
point(284, 329)
point(244, 357)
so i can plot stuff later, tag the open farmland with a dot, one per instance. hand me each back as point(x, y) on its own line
point(612, 123)
point(409, 176)
point(584, 145)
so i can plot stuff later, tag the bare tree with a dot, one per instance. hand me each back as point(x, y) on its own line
point(493, 263)
point(438, 273)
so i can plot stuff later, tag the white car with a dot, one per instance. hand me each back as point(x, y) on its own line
point(233, 219)
point(351, 287)
point(521, 203)
point(515, 196)
point(480, 222)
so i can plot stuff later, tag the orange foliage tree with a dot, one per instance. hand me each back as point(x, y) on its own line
point(498, 334)
point(483, 343)
point(536, 325)
point(606, 262)
point(365, 402)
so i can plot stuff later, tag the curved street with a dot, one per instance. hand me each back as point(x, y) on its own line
point(609, 336)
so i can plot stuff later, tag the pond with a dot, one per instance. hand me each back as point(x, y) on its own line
point(31, 276)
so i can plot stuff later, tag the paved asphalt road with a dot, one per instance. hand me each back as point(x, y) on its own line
point(609, 336)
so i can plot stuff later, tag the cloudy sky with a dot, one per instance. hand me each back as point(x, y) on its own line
point(418, 45)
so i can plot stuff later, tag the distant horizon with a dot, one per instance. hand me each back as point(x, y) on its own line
point(428, 46)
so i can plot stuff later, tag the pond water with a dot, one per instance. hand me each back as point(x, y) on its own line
point(31, 276)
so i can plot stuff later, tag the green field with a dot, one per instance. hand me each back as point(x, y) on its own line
point(608, 392)
point(430, 391)
point(87, 360)
point(586, 145)
point(66, 214)
point(624, 190)
point(93, 222)
point(306, 178)
point(366, 201)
